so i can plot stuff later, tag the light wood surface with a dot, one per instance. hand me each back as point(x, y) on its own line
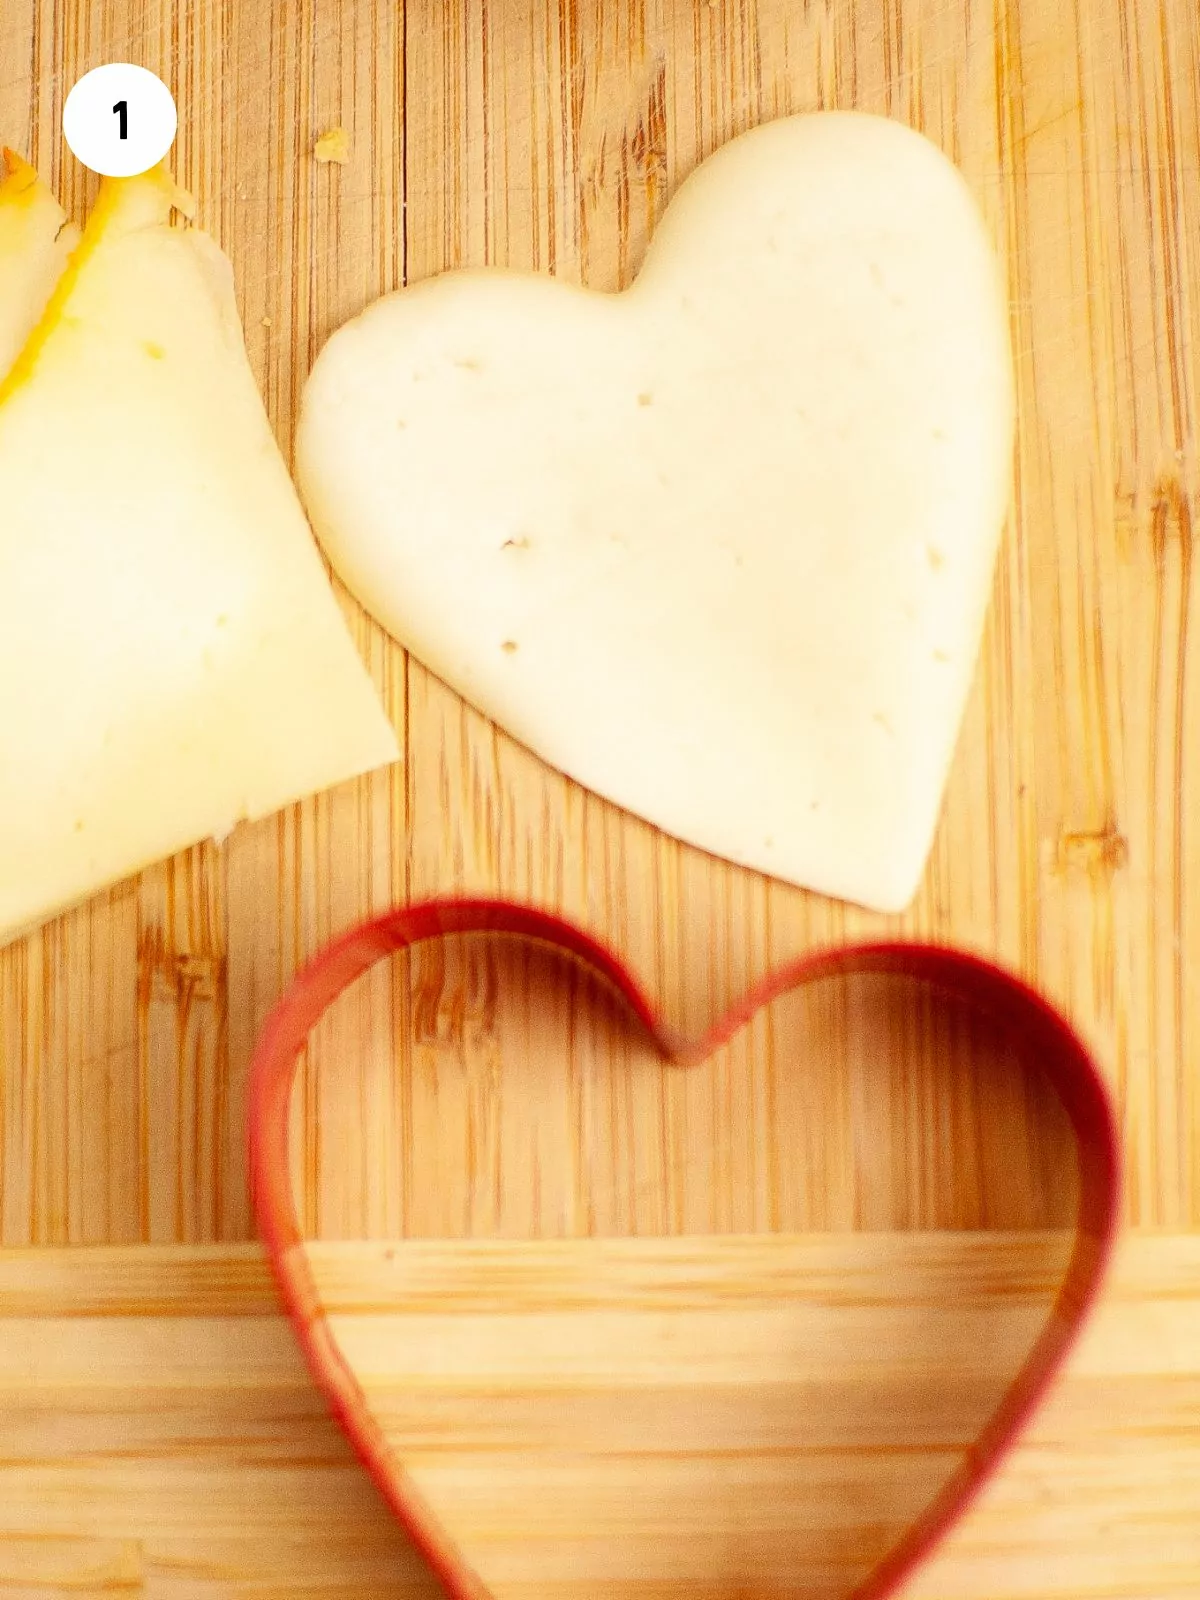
point(161, 1436)
point(535, 135)
point(543, 134)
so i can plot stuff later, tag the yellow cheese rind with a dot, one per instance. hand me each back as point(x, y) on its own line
point(36, 238)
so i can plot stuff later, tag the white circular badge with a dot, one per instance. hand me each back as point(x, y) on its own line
point(120, 120)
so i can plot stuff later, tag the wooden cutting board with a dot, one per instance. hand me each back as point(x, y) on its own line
point(161, 1437)
point(546, 135)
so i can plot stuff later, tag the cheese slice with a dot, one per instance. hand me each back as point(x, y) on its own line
point(172, 657)
point(36, 237)
point(719, 547)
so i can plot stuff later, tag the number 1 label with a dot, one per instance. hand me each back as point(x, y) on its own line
point(119, 119)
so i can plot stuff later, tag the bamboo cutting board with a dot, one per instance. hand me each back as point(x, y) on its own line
point(549, 135)
point(200, 1463)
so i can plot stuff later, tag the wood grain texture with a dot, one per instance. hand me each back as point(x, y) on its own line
point(550, 134)
point(512, 1099)
point(161, 1437)
point(689, 1417)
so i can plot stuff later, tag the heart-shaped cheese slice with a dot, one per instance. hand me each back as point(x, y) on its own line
point(36, 237)
point(172, 658)
point(720, 546)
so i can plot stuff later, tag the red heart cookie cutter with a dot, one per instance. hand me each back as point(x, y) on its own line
point(1046, 1040)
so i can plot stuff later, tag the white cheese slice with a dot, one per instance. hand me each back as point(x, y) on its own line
point(172, 657)
point(719, 547)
